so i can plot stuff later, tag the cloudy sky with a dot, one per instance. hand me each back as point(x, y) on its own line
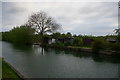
point(96, 18)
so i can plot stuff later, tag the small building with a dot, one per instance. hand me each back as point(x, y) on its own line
point(111, 40)
point(65, 40)
point(52, 40)
point(87, 41)
point(48, 40)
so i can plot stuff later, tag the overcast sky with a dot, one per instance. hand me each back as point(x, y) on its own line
point(96, 18)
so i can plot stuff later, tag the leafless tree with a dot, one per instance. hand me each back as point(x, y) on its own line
point(117, 31)
point(42, 23)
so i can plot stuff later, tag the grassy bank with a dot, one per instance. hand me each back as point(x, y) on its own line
point(7, 72)
point(0, 67)
point(85, 49)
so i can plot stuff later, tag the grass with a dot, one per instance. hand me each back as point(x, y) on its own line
point(0, 67)
point(7, 72)
point(86, 47)
point(80, 47)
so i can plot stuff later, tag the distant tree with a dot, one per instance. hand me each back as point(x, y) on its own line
point(68, 34)
point(117, 31)
point(80, 35)
point(56, 35)
point(5, 36)
point(78, 41)
point(97, 45)
point(74, 35)
point(42, 23)
point(20, 34)
point(63, 35)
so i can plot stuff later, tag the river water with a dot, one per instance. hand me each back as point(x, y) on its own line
point(32, 62)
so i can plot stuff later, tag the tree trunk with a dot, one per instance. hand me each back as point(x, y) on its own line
point(42, 39)
point(42, 43)
point(42, 50)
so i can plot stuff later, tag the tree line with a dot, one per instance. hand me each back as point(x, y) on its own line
point(39, 24)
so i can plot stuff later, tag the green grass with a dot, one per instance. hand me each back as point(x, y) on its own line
point(80, 47)
point(86, 47)
point(7, 72)
point(0, 67)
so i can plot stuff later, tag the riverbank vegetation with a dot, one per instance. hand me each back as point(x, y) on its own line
point(40, 24)
point(96, 43)
point(22, 34)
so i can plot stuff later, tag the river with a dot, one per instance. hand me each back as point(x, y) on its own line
point(32, 62)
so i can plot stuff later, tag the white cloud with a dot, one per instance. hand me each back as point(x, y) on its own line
point(0, 16)
point(97, 18)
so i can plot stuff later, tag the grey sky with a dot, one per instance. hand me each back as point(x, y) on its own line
point(0, 16)
point(96, 18)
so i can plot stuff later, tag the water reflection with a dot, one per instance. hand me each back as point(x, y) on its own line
point(38, 50)
point(95, 57)
point(22, 47)
point(36, 62)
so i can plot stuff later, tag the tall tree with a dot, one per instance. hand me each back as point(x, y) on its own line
point(42, 23)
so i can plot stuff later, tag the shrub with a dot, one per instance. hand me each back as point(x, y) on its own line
point(78, 41)
point(106, 45)
point(22, 34)
point(68, 44)
point(58, 43)
point(115, 46)
point(97, 45)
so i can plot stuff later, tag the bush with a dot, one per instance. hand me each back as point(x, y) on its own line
point(115, 46)
point(68, 44)
point(78, 41)
point(97, 45)
point(20, 35)
point(58, 43)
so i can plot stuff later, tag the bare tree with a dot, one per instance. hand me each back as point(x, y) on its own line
point(117, 31)
point(42, 23)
